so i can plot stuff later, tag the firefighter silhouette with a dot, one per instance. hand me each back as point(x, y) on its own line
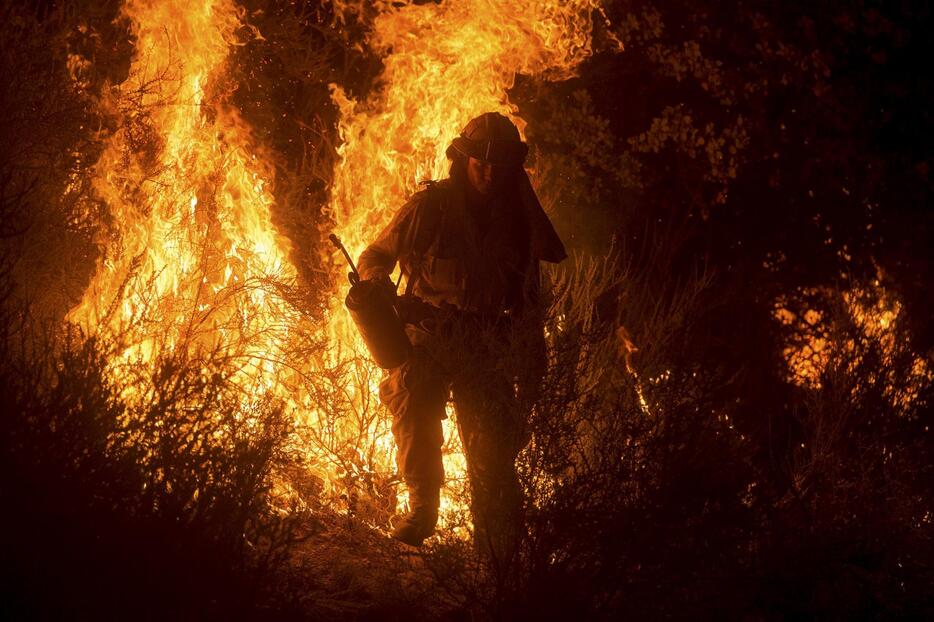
point(469, 247)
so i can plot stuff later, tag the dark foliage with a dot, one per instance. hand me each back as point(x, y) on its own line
point(113, 511)
point(758, 158)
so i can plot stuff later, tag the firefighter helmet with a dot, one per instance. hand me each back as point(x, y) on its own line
point(492, 138)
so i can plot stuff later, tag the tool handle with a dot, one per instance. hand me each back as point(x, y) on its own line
point(354, 274)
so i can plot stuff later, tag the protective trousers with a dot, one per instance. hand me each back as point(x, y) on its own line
point(491, 427)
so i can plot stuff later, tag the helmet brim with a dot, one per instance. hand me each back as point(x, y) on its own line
point(495, 152)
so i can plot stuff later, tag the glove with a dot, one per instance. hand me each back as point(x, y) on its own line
point(386, 285)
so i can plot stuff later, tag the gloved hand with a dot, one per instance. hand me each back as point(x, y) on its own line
point(385, 285)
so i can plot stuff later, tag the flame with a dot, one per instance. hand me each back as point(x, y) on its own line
point(873, 310)
point(194, 261)
point(192, 224)
point(444, 64)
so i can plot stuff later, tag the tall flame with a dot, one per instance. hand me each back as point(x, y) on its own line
point(189, 198)
point(444, 64)
point(195, 261)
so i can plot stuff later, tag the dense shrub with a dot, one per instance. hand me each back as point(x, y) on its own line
point(156, 504)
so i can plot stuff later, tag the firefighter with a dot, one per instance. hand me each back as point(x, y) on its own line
point(469, 248)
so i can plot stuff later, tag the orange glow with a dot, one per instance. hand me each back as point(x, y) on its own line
point(193, 222)
point(444, 64)
point(873, 310)
point(196, 263)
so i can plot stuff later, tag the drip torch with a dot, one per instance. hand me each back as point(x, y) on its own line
point(373, 310)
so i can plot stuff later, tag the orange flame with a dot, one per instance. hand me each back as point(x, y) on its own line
point(187, 191)
point(873, 310)
point(195, 264)
point(443, 65)
point(195, 254)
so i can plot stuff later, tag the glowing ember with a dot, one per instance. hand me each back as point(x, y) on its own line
point(873, 310)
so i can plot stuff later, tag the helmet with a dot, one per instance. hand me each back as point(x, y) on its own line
point(493, 138)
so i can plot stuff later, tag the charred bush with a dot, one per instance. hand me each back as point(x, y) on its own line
point(851, 536)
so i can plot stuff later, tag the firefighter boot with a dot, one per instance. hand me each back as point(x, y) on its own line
point(420, 522)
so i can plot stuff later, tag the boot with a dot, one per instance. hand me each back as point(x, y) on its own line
point(420, 522)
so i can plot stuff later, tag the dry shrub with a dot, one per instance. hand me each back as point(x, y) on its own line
point(644, 496)
point(348, 436)
point(146, 492)
point(852, 536)
point(617, 447)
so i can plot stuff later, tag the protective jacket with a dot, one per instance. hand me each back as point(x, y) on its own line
point(482, 260)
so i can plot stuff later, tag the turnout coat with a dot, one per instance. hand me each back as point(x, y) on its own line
point(481, 260)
